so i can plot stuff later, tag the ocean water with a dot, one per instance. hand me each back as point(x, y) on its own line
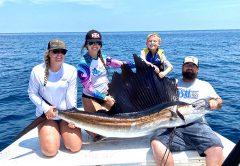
point(218, 52)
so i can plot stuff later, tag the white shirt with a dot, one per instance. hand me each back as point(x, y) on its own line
point(98, 75)
point(60, 90)
point(190, 92)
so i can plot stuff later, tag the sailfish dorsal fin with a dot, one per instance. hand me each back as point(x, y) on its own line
point(137, 91)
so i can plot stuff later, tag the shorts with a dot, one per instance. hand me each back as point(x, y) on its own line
point(100, 101)
point(194, 136)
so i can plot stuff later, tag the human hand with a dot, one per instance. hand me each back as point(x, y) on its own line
point(51, 113)
point(213, 104)
point(109, 101)
point(108, 60)
point(71, 125)
point(161, 74)
point(156, 69)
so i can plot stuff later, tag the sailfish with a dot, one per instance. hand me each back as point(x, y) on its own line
point(144, 102)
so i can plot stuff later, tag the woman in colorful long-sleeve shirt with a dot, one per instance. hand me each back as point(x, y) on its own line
point(92, 72)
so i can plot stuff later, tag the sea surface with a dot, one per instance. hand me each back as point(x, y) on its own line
point(218, 52)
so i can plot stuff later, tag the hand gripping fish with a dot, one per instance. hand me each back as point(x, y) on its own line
point(144, 103)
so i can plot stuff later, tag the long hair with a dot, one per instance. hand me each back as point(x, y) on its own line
point(101, 58)
point(47, 64)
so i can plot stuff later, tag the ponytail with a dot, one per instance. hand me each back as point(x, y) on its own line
point(47, 63)
point(101, 58)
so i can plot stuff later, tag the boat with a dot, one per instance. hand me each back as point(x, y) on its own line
point(112, 151)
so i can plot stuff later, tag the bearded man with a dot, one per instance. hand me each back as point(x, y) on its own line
point(194, 136)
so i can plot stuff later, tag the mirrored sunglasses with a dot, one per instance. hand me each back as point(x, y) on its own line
point(58, 51)
point(98, 43)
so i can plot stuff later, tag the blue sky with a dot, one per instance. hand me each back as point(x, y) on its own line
point(19, 16)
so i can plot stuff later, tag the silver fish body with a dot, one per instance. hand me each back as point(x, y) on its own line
point(137, 124)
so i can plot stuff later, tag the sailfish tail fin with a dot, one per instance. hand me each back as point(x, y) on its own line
point(32, 125)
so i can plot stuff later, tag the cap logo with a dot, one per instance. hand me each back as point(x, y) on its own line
point(95, 35)
point(191, 59)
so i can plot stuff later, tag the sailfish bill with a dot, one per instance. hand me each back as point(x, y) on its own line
point(32, 125)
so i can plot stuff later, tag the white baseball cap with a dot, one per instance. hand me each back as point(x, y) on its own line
point(191, 59)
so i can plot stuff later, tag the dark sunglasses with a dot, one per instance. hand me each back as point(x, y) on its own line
point(57, 51)
point(192, 65)
point(98, 43)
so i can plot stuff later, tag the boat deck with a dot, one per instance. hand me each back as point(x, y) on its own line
point(134, 151)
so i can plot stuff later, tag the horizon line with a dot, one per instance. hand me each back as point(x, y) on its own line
point(124, 31)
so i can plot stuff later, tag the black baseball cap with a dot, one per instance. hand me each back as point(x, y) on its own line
point(93, 36)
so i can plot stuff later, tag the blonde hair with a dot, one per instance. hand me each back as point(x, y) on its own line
point(47, 63)
point(154, 35)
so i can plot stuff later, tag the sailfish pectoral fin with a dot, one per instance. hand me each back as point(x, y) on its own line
point(173, 115)
point(180, 115)
point(32, 125)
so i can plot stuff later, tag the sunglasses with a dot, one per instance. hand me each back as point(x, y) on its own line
point(92, 43)
point(58, 51)
point(192, 65)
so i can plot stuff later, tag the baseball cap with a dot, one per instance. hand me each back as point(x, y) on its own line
point(93, 36)
point(56, 44)
point(191, 59)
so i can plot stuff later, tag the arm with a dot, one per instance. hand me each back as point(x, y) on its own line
point(142, 55)
point(33, 93)
point(156, 69)
point(167, 65)
point(85, 77)
point(165, 72)
point(117, 64)
point(72, 90)
point(215, 102)
point(72, 93)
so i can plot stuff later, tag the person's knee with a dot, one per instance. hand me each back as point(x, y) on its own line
point(48, 147)
point(161, 154)
point(214, 156)
point(158, 146)
point(154, 143)
point(75, 148)
point(49, 152)
point(214, 151)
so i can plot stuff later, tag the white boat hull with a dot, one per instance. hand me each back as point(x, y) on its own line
point(134, 151)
